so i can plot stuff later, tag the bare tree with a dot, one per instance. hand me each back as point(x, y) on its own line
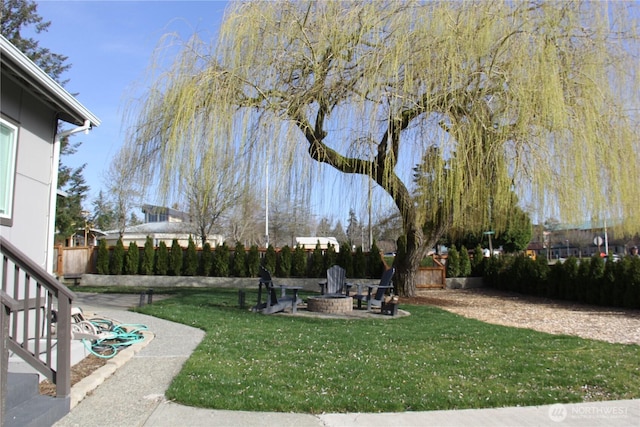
point(123, 191)
point(531, 97)
point(210, 192)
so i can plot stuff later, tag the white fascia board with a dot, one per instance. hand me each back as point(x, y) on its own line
point(46, 83)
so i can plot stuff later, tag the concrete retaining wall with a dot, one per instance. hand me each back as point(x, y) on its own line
point(311, 285)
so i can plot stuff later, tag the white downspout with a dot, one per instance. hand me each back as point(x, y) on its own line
point(51, 228)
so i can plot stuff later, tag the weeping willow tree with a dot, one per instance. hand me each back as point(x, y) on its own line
point(534, 98)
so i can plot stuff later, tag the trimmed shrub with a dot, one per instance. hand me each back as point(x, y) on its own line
point(270, 259)
point(132, 259)
point(359, 263)
point(148, 256)
point(117, 258)
point(477, 262)
point(190, 266)
point(375, 265)
point(253, 261)
point(206, 259)
point(102, 262)
point(453, 262)
point(591, 294)
point(162, 259)
point(330, 257)
point(221, 261)
point(175, 259)
point(316, 263)
point(607, 283)
point(465, 262)
point(239, 261)
point(284, 261)
point(299, 262)
point(632, 288)
point(345, 259)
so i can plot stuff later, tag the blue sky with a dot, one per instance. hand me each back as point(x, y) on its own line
point(109, 45)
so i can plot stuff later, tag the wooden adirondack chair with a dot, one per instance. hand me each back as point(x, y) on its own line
point(275, 303)
point(335, 283)
point(376, 299)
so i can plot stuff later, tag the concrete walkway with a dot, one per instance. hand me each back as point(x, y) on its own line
point(129, 391)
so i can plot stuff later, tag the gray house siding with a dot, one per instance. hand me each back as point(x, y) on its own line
point(36, 124)
point(35, 153)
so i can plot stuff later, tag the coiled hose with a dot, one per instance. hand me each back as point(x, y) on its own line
point(111, 336)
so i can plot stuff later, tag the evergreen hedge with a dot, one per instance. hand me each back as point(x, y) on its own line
point(375, 265)
point(590, 281)
point(270, 259)
point(453, 262)
point(330, 257)
point(284, 261)
point(206, 260)
point(359, 263)
point(102, 262)
point(239, 261)
point(117, 258)
point(316, 263)
point(190, 266)
point(132, 259)
point(345, 260)
point(221, 261)
point(162, 259)
point(148, 256)
point(465, 262)
point(299, 262)
point(175, 259)
point(253, 261)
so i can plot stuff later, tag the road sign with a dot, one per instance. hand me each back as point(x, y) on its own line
point(598, 241)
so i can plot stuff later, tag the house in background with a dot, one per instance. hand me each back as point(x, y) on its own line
point(162, 224)
point(32, 106)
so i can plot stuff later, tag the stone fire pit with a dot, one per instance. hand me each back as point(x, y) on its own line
point(330, 304)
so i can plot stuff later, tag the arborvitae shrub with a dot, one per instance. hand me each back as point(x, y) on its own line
point(176, 259)
point(359, 263)
point(330, 257)
point(206, 258)
point(221, 257)
point(299, 262)
point(270, 259)
point(316, 263)
point(239, 261)
point(465, 262)
point(375, 265)
point(162, 259)
point(607, 283)
point(632, 283)
point(542, 270)
point(596, 272)
point(477, 262)
point(132, 259)
point(453, 262)
point(102, 263)
point(117, 258)
point(253, 261)
point(148, 256)
point(345, 259)
point(190, 266)
point(284, 262)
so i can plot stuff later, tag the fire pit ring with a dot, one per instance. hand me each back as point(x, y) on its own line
point(330, 304)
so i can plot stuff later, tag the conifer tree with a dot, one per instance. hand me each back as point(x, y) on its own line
point(162, 259)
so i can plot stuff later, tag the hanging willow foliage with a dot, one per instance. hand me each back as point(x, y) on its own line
point(536, 98)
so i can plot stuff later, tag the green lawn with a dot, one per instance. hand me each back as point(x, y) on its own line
point(427, 361)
